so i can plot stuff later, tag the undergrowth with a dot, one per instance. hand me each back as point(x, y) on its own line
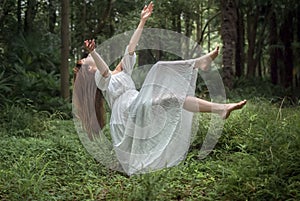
point(256, 158)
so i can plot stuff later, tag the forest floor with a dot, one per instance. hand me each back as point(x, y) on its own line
point(256, 158)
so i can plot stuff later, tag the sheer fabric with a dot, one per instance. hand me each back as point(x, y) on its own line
point(149, 129)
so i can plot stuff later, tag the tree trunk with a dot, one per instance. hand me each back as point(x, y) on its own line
point(30, 15)
point(239, 52)
point(229, 35)
point(52, 16)
point(198, 26)
point(104, 17)
point(64, 69)
point(208, 29)
point(19, 15)
point(297, 70)
point(273, 49)
point(188, 32)
point(252, 20)
point(82, 24)
point(286, 35)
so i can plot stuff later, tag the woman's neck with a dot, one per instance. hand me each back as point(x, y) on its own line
point(118, 69)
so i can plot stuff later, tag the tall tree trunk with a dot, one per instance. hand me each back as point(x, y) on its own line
point(252, 20)
point(229, 35)
point(273, 48)
point(64, 69)
point(286, 35)
point(188, 32)
point(208, 28)
point(19, 15)
point(239, 51)
point(52, 16)
point(83, 22)
point(260, 41)
point(30, 15)
point(104, 17)
point(297, 70)
point(198, 25)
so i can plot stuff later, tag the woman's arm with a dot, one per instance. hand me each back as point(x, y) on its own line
point(101, 65)
point(145, 14)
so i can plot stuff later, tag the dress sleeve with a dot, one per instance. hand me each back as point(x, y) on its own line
point(102, 82)
point(128, 61)
point(100, 64)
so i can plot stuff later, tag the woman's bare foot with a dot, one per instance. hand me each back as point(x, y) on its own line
point(213, 54)
point(231, 107)
point(204, 62)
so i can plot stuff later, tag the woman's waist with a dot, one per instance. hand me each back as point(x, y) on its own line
point(128, 93)
point(120, 106)
point(126, 97)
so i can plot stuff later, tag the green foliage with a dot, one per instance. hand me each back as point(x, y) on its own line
point(41, 158)
point(257, 158)
point(32, 74)
point(249, 88)
point(33, 55)
point(149, 187)
point(29, 67)
point(5, 86)
point(23, 120)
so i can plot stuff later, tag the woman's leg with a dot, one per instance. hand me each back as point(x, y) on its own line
point(204, 62)
point(194, 104)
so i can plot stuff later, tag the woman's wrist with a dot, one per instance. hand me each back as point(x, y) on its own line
point(142, 20)
point(142, 24)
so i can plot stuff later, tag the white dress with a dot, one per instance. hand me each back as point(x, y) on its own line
point(149, 128)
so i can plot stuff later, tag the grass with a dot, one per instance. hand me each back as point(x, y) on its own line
point(257, 158)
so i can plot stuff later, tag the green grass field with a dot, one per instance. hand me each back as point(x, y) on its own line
point(257, 158)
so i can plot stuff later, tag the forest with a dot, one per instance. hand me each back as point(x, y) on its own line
point(257, 156)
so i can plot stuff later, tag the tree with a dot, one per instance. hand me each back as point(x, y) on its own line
point(252, 16)
point(240, 43)
point(286, 37)
point(30, 14)
point(297, 51)
point(282, 43)
point(273, 41)
point(52, 15)
point(229, 37)
point(64, 68)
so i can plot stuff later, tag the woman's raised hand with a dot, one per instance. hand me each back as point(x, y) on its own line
point(147, 11)
point(90, 45)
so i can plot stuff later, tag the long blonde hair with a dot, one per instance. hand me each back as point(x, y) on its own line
point(98, 96)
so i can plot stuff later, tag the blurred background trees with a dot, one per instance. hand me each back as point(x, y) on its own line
point(40, 41)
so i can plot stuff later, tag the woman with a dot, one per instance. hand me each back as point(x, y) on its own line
point(150, 128)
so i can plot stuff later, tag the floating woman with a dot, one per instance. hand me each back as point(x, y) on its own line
point(150, 129)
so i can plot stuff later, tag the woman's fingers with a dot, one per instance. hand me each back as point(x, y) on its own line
point(148, 8)
point(145, 7)
point(86, 43)
point(90, 44)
